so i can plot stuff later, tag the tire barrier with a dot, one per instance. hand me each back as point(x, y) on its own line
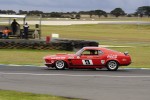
point(78, 44)
point(59, 44)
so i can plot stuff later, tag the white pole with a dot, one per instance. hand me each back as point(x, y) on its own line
point(40, 26)
point(138, 20)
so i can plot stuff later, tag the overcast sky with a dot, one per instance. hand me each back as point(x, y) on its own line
point(72, 5)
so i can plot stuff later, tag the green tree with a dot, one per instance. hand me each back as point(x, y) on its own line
point(78, 16)
point(117, 12)
point(23, 12)
point(100, 13)
point(144, 10)
point(56, 14)
point(35, 12)
point(91, 13)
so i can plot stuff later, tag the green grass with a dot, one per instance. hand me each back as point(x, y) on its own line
point(121, 33)
point(129, 35)
point(13, 95)
point(24, 57)
point(140, 56)
point(137, 36)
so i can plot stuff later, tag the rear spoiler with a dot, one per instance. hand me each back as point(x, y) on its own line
point(126, 53)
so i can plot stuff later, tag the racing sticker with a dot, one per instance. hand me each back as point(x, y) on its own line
point(111, 56)
point(87, 62)
point(102, 61)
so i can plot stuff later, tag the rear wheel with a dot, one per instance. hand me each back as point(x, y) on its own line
point(112, 65)
point(59, 64)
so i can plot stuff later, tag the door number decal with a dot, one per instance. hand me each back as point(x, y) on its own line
point(87, 62)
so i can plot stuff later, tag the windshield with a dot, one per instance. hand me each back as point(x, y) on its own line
point(79, 52)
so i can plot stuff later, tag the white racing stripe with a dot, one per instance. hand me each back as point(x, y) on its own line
point(111, 76)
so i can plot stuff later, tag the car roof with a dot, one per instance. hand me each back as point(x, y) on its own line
point(94, 48)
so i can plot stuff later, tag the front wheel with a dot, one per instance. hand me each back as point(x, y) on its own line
point(112, 65)
point(59, 64)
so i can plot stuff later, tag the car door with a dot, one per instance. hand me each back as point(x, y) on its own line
point(87, 59)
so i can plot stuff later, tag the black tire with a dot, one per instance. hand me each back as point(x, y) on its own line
point(112, 65)
point(60, 64)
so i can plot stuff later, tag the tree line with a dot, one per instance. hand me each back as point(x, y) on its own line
point(141, 11)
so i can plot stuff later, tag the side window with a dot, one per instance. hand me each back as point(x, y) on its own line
point(100, 52)
point(86, 52)
point(94, 52)
point(90, 52)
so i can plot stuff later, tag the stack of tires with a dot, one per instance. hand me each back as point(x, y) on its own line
point(59, 44)
point(77, 44)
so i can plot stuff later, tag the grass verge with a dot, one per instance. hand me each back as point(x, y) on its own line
point(13, 95)
point(140, 56)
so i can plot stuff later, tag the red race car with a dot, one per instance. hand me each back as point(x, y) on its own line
point(89, 58)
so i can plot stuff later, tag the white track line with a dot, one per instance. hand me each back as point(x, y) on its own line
point(68, 75)
point(46, 67)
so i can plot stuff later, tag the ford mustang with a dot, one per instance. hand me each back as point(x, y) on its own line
point(89, 58)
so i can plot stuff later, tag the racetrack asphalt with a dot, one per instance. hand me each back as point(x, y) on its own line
point(124, 84)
